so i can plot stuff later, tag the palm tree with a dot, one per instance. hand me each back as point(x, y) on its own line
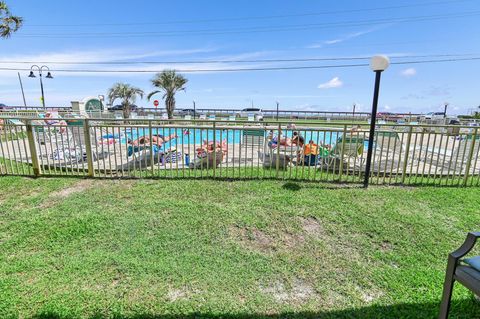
point(126, 93)
point(169, 83)
point(8, 23)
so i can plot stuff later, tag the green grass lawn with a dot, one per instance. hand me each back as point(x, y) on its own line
point(133, 249)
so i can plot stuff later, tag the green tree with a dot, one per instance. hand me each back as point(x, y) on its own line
point(127, 94)
point(8, 22)
point(168, 82)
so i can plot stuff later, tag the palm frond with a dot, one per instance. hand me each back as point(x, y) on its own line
point(8, 23)
point(149, 96)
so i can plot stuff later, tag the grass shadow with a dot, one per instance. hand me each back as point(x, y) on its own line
point(291, 186)
point(460, 309)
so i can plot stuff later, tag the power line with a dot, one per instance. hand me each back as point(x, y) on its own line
point(255, 17)
point(310, 67)
point(238, 61)
point(297, 27)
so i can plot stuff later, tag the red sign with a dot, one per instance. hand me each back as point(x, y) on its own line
point(156, 103)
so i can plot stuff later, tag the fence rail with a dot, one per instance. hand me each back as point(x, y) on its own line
point(225, 112)
point(326, 152)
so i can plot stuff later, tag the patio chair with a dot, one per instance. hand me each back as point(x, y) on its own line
point(466, 272)
point(351, 148)
point(273, 153)
point(455, 159)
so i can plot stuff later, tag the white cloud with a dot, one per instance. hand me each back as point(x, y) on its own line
point(347, 37)
point(68, 60)
point(333, 83)
point(409, 72)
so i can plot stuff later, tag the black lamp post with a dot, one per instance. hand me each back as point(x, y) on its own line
point(40, 69)
point(277, 109)
point(194, 110)
point(378, 64)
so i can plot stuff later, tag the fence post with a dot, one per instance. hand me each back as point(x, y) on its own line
point(407, 151)
point(344, 136)
point(88, 147)
point(469, 159)
point(214, 149)
point(33, 149)
point(152, 160)
point(277, 161)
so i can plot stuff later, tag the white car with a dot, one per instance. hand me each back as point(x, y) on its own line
point(433, 116)
point(251, 111)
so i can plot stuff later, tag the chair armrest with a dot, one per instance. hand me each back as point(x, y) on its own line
point(467, 246)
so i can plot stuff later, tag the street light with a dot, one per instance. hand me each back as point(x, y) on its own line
point(40, 70)
point(278, 104)
point(194, 110)
point(101, 97)
point(378, 64)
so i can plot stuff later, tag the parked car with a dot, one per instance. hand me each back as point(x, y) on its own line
point(120, 107)
point(190, 112)
point(258, 113)
point(388, 116)
point(432, 116)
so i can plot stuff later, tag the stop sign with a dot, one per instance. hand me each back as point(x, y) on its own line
point(156, 103)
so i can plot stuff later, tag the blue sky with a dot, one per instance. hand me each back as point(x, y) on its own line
point(61, 31)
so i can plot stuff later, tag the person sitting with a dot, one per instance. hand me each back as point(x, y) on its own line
point(296, 139)
point(280, 140)
point(310, 153)
point(157, 140)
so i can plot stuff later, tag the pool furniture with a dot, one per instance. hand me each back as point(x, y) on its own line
point(15, 122)
point(350, 147)
point(207, 161)
point(460, 271)
point(253, 136)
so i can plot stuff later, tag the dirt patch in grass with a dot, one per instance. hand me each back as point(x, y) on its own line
point(370, 295)
point(257, 240)
point(180, 294)
point(386, 246)
point(78, 187)
point(299, 292)
point(312, 227)
point(253, 239)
